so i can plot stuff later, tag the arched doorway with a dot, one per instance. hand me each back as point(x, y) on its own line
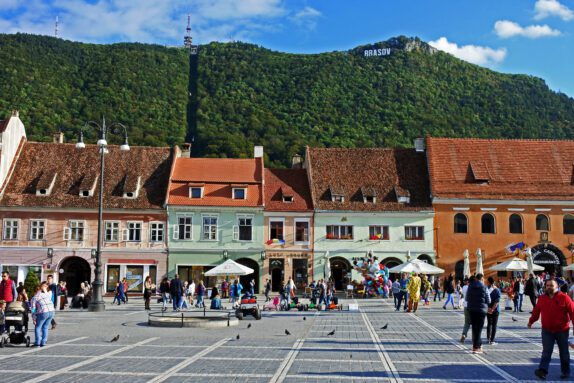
point(276, 270)
point(390, 263)
point(340, 272)
point(459, 270)
point(246, 279)
point(550, 257)
point(75, 271)
point(427, 258)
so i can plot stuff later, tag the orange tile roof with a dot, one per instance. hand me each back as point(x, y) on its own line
point(218, 176)
point(293, 182)
point(501, 169)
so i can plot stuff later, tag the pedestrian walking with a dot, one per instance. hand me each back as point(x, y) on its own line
point(267, 289)
point(200, 294)
point(466, 326)
point(42, 314)
point(518, 294)
point(164, 291)
point(148, 291)
point(53, 289)
point(396, 288)
point(120, 293)
point(493, 311)
point(531, 289)
point(414, 290)
point(224, 289)
point(235, 292)
point(252, 287)
point(176, 291)
point(191, 292)
point(403, 283)
point(8, 291)
point(477, 302)
point(436, 288)
point(449, 289)
point(557, 311)
point(426, 288)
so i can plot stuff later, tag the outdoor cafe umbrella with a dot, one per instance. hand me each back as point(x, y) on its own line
point(515, 264)
point(466, 272)
point(569, 268)
point(229, 267)
point(327, 270)
point(418, 266)
point(479, 268)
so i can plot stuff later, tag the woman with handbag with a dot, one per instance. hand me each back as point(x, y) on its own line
point(148, 291)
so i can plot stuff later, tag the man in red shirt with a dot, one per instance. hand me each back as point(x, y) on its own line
point(7, 288)
point(557, 311)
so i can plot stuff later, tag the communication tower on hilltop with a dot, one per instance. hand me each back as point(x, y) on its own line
point(56, 25)
point(192, 103)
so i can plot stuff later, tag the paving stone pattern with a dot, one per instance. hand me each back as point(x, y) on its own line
point(421, 347)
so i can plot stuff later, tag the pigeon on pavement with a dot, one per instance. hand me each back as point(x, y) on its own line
point(287, 332)
point(115, 338)
point(331, 333)
point(514, 319)
point(249, 325)
point(237, 337)
point(385, 327)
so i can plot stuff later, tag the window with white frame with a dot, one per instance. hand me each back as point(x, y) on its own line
point(379, 233)
point(37, 230)
point(239, 193)
point(10, 231)
point(112, 231)
point(156, 231)
point(244, 229)
point(134, 232)
point(196, 192)
point(301, 231)
point(339, 232)
point(209, 228)
point(183, 227)
point(276, 228)
point(414, 233)
point(76, 230)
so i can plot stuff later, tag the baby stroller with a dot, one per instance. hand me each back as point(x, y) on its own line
point(273, 305)
point(19, 320)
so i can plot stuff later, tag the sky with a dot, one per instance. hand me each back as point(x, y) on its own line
point(534, 37)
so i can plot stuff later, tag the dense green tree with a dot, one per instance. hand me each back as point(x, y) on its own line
point(30, 283)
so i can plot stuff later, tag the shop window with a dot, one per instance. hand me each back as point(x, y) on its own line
point(515, 224)
point(135, 278)
point(113, 277)
point(568, 224)
point(460, 223)
point(542, 223)
point(488, 224)
point(414, 233)
point(380, 233)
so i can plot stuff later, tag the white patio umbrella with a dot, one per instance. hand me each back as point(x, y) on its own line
point(479, 268)
point(466, 271)
point(529, 261)
point(417, 266)
point(327, 270)
point(229, 267)
point(569, 267)
point(515, 264)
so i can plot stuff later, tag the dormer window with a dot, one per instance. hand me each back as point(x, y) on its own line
point(369, 195)
point(337, 194)
point(369, 199)
point(196, 192)
point(131, 187)
point(337, 198)
point(239, 193)
point(287, 194)
point(287, 198)
point(46, 183)
point(88, 185)
point(403, 195)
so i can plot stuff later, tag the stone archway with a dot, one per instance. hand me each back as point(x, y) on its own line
point(75, 271)
point(245, 280)
point(550, 257)
point(427, 258)
point(340, 268)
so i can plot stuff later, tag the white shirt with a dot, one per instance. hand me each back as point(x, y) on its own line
point(464, 290)
point(191, 289)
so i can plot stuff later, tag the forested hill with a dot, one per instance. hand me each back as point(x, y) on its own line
point(250, 95)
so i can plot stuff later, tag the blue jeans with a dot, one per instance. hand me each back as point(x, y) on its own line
point(400, 296)
point(450, 299)
point(43, 321)
point(548, 340)
point(199, 301)
point(175, 301)
point(165, 299)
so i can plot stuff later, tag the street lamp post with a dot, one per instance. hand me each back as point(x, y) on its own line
point(97, 301)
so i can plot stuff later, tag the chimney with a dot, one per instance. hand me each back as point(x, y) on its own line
point(58, 138)
point(258, 152)
point(186, 150)
point(15, 113)
point(297, 162)
point(419, 145)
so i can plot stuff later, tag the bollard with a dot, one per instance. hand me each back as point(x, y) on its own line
point(181, 320)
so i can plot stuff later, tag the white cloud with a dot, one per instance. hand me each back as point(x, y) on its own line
point(548, 8)
point(506, 29)
point(240, 9)
point(472, 53)
point(306, 17)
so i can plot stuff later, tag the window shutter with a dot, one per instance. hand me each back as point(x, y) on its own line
point(176, 231)
point(125, 234)
point(235, 233)
point(67, 233)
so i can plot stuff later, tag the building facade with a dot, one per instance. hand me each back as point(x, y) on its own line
point(369, 200)
point(288, 226)
point(501, 195)
point(215, 212)
point(48, 212)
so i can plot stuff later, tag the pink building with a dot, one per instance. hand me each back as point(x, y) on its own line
point(48, 210)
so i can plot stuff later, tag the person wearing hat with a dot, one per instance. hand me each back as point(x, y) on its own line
point(414, 289)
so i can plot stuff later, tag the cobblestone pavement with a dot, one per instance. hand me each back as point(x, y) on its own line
point(421, 347)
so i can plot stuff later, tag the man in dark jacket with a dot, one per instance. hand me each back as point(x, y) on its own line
point(176, 290)
point(557, 311)
point(531, 289)
point(477, 302)
point(493, 311)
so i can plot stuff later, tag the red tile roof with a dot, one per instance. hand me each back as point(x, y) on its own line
point(38, 161)
point(219, 176)
point(501, 169)
point(376, 171)
point(288, 182)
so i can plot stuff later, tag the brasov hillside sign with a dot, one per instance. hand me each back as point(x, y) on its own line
point(377, 52)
